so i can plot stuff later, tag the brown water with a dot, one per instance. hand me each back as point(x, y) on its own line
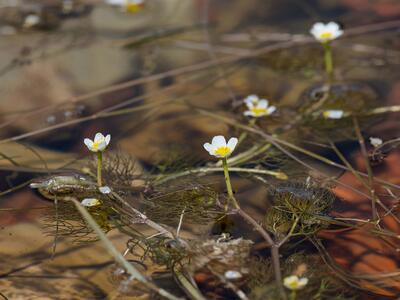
point(142, 78)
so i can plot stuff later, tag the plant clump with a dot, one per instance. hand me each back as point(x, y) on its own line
point(299, 206)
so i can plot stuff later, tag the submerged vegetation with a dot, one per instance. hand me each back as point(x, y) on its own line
point(254, 219)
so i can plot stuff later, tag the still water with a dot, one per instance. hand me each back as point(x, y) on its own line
point(312, 195)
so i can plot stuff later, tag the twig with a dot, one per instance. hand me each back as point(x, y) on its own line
point(364, 153)
point(274, 249)
point(178, 229)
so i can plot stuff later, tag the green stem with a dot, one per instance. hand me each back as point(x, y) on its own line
point(292, 295)
point(99, 164)
point(228, 183)
point(328, 60)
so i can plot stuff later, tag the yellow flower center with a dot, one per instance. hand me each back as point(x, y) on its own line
point(258, 111)
point(96, 145)
point(294, 284)
point(222, 151)
point(132, 7)
point(326, 35)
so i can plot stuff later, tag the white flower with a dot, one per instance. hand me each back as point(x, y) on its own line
point(251, 99)
point(127, 5)
point(124, 2)
point(232, 274)
point(99, 143)
point(333, 114)
point(219, 147)
point(31, 20)
point(104, 189)
point(67, 6)
point(326, 32)
point(376, 142)
point(89, 202)
point(259, 109)
point(294, 283)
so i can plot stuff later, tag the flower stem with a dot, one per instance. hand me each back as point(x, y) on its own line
point(328, 60)
point(292, 295)
point(99, 165)
point(228, 183)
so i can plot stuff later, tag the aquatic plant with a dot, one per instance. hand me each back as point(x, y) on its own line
point(195, 202)
point(325, 33)
point(294, 283)
point(120, 169)
point(128, 6)
point(219, 148)
point(176, 215)
point(298, 209)
point(98, 145)
point(257, 107)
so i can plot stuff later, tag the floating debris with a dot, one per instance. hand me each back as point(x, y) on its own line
point(333, 114)
point(376, 142)
point(89, 202)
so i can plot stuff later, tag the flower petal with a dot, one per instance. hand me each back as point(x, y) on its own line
point(98, 137)
point(232, 274)
point(107, 139)
point(290, 279)
point(248, 113)
point(303, 281)
point(332, 26)
point(337, 33)
point(232, 143)
point(105, 189)
point(210, 148)
point(376, 142)
point(263, 103)
point(251, 105)
point(251, 99)
point(271, 109)
point(88, 202)
point(88, 143)
point(101, 146)
point(317, 28)
point(218, 141)
point(333, 114)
